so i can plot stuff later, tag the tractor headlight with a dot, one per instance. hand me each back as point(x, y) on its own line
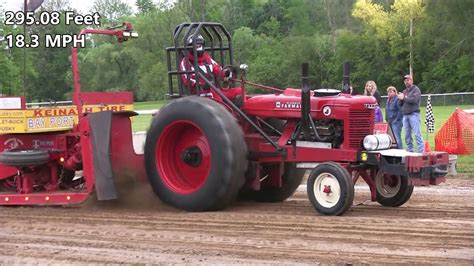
point(377, 142)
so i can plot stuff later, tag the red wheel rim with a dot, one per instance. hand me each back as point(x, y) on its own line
point(391, 180)
point(387, 185)
point(183, 157)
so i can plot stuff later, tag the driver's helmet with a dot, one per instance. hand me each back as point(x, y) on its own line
point(199, 44)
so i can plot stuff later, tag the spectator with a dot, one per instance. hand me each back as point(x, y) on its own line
point(371, 90)
point(394, 115)
point(410, 101)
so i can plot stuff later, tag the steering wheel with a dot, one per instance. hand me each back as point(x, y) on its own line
point(229, 73)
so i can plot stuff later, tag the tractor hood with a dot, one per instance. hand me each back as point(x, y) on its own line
point(288, 104)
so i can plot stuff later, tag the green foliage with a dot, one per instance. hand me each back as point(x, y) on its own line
point(13, 62)
point(145, 6)
point(117, 68)
point(268, 67)
point(233, 14)
point(246, 44)
point(11, 65)
point(274, 37)
point(444, 46)
point(50, 67)
point(148, 51)
point(111, 10)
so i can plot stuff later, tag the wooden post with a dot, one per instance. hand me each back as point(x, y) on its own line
point(411, 47)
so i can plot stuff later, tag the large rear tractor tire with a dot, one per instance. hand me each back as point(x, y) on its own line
point(392, 190)
point(24, 158)
point(291, 179)
point(195, 155)
point(330, 189)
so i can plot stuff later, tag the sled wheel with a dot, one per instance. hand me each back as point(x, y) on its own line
point(392, 190)
point(291, 179)
point(195, 155)
point(330, 189)
point(24, 157)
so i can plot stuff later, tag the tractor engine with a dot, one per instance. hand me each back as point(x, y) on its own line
point(342, 120)
point(331, 130)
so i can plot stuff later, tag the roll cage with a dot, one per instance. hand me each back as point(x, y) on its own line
point(218, 45)
point(219, 42)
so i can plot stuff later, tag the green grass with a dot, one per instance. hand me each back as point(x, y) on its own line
point(148, 105)
point(465, 163)
point(142, 122)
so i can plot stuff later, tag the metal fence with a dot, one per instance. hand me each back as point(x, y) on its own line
point(443, 99)
point(462, 98)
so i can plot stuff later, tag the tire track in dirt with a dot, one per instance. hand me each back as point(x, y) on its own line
point(426, 230)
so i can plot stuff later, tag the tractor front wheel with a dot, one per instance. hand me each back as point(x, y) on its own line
point(392, 190)
point(330, 189)
point(195, 155)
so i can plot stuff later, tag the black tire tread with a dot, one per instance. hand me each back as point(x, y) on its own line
point(403, 195)
point(233, 152)
point(24, 157)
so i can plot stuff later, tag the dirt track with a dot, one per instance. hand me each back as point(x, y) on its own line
point(435, 226)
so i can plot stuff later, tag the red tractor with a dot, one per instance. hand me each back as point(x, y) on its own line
point(203, 152)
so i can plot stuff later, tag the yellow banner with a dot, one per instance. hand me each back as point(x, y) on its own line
point(49, 118)
point(15, 124)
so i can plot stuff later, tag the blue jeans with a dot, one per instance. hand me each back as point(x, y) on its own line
point(411, 123)
point(397, 132)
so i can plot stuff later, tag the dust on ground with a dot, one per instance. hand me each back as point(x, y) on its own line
point(436, 226)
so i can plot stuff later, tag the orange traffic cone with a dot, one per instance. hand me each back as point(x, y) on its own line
point(427, 146)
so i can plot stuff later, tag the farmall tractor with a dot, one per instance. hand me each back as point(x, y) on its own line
point(203, 150)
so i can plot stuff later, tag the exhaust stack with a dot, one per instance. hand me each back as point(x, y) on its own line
point(346, 78)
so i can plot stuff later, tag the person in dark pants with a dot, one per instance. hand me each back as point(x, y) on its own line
point(410, 101)
point(394, 115)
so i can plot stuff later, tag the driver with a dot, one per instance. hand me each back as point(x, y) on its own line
point(212, 69)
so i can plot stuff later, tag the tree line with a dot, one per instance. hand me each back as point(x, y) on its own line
point(380, 38)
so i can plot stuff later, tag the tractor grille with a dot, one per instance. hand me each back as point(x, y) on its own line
point(360, 125)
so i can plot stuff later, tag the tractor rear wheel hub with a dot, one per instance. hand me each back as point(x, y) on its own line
point(192, 156)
